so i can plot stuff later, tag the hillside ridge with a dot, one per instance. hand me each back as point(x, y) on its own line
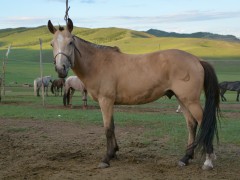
point(205, 35)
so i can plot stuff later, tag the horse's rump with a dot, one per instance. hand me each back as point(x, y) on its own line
point(145, 78)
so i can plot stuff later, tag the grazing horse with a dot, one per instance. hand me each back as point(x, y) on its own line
point(56, 85)
point(230, 86)
point(74, 83)
point(112, 77)
point(37, 83)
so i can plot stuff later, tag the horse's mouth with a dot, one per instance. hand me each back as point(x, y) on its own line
point(62, 73)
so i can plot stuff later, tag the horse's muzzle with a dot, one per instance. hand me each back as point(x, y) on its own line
point(62, 73)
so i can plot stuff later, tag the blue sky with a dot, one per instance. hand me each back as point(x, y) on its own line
point(183, 16)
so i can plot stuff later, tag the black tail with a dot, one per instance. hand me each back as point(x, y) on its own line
point(208, 128)
point(66, 97)
point(52, 88)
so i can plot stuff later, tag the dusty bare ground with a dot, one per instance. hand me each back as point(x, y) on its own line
point(61, 150)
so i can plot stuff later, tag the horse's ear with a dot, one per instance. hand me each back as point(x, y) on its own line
point(69, 25)
point(51, 28)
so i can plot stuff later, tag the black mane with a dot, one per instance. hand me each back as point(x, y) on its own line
point(61, 28)
point(115, 48)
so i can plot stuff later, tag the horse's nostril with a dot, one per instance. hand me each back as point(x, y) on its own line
point(64, 67)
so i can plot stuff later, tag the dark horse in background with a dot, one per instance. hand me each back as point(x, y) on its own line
point(57, 85)
point(229, 86)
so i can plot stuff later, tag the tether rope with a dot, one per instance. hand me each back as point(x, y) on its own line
point(66, 13)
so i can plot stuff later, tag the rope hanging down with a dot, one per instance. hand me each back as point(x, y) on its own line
point(66, 13)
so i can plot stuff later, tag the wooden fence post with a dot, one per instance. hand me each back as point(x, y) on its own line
point(41, 72)
point(4, 70)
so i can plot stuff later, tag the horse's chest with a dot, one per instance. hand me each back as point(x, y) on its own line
point(93, 96)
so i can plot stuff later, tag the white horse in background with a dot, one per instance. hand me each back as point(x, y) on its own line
point(37, 83)
point(73, 83)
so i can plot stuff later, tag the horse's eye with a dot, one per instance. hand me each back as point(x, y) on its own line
point(51, 44)
point(70, 43)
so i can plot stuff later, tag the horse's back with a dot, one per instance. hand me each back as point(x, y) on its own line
point(230, 85)
point(75, 83)
point(144, 78)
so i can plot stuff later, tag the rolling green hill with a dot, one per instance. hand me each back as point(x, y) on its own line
point(25, 42)
point(205, 35)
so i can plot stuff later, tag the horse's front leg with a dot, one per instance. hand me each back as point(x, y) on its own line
point(38, 89)
point(106, 105)
point(46, 90)
point(84, 99)
point(70, 96)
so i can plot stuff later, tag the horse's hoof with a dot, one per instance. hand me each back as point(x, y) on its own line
point(103, 165)
point(181, 164)
point(207, 168)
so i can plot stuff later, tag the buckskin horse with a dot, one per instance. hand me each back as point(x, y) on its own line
point(112, 77)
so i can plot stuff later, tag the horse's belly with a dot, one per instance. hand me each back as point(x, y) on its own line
point(139, 98)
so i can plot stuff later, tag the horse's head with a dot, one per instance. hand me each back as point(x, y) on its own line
point(63, 48)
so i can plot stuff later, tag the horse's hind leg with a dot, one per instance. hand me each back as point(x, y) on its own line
point(193, 113)
point(238, 96)
point(106, 105)
point(70, 96)
point(192, 128)
point(222, 92)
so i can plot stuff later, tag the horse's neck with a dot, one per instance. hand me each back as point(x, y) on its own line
point(86, 56)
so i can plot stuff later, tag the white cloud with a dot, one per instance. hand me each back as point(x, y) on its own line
point(81, 1)
point(190, 21)
point(189, 16)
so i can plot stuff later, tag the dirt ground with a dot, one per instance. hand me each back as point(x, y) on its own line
point(31, 149)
